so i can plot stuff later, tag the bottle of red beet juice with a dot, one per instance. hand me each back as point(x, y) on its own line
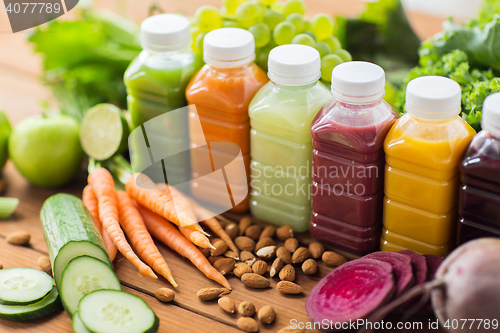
point(348, 159)
point(480, 175)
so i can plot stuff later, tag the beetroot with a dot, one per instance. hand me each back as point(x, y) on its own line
point(418, 264)
point(433, 264)
point(401, 266)
point(352, 291)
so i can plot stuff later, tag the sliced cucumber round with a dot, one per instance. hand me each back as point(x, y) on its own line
point(47, 305)
point(107, 311)
point(83, 275)
point(23, 286)
point(77, 325)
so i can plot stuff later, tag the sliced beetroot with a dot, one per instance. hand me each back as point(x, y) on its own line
point(401, 266)
point(433, 264)
point(352, 291)
point(418, 264)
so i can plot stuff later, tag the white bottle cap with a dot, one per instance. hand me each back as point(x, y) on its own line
point(491, 114)
point(165, 32)
point(228, 47)
point(294, 64)
point(358, 82)
point(433, 97)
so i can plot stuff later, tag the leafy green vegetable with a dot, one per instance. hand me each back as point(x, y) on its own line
point(476, 84)
point(84, 60)
point(488, 11)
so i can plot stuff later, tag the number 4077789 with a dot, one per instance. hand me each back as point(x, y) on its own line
point(33, 7)
point(471, 324)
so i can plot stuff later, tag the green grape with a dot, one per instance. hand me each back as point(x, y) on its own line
point(208, 18)
point(228, 23)
point(231, 6)
point(272, 18)
point(284, 33)
point(194, 30)
point(277, 6)
point(322, 25)
point(297, 20)
point(199, 42)
point(262, 59)
point(333, 42)
point(307, 26)
point(261, 33)
point(304, 40)
point(310, 33)
point(323, 49)
point(268, 2)
point(328, 63)
point(294, 6)
point(343, 54)
point(250, 13)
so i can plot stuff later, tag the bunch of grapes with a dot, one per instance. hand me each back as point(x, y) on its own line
point(273, 23)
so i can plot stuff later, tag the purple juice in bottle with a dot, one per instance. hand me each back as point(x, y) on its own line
point(348, 159)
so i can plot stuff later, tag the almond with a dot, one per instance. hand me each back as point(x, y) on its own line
point(213, 260)
point(291, 244)
point(247, 324)
point(259, 267)
point(300, 255)
point(333, 259)
point(267, 252)
point(165, 295)
point(244, 243)
point(206, 252)
point(266, 314)
point(284, 232)
point(224, 265)
point(287, 273)
point(208, 294)
point(18, 238)
point(232, 230)
point(253, 231)
point(266, 241)
point(45, 265)
point(289, 288)
point(276, 267)
point(227, 304)
point(247, 257)
point(244, 224)
point(310, 267)
point(268, 231)
point(231, 254)
point(220, 248)
point(316, 250)
point(241, 268)
point(246, 309)
point(291, 330)
point(284, 254)
point(256, 281)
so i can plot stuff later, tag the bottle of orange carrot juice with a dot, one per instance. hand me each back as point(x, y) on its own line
point(423, 151)
point(221, 92)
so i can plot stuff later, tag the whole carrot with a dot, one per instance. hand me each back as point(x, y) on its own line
point(103, 185)
point(133, 224)
point(196, 237)
point(141, 188)
point(90, 201)
point(170, 236)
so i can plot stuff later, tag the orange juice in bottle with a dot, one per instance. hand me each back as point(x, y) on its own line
point(423, 151)
point(221, 92)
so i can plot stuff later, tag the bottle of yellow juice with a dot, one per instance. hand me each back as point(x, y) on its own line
point(423, 151)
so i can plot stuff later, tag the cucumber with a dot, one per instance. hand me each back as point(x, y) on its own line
point(83, 275)
point(107, 311)
point(70, 232)
point(23, 286)
point(77, 325)
point(47, 305)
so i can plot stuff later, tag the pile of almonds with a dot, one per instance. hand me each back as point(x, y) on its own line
point(260, 254)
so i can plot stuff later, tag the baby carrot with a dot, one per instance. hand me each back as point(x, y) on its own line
point(90, 201)
point(133, 224)
point(170, 236)
point(144, 191)
point(103, 185)
point(214, 225)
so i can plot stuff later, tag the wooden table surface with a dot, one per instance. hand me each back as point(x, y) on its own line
point(20, 96)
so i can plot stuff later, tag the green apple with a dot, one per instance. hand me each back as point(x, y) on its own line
point(46, 149)
point(5, 131)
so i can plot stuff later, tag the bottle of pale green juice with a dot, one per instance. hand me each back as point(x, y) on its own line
point(281, 114)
